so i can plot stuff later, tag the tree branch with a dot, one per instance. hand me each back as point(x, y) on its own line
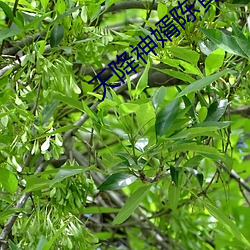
point(16, 63)
point(21, 44)
point(235, 176)
point(20, 203)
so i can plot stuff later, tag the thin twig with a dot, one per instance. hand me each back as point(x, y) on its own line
point(21, 44)
point(9, 25)
point(244, 195)
point(20, 203)
point(37, 97)
point(148, 13)
point(204, 192)
point(235, 176)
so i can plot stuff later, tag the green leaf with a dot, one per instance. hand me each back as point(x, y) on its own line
point(237, 32)
point(177, 74)
point(166, 117)
point(7, 10)
point(198, 175)
point(186, 54)
point(193, 132)
point(173, 196)
point(9, 211)
point(44, 3)
point(35, 184)
point(174, 172)
point(117, 181)
point(19, 20)
point(49, 110)
point(188, 105)
point(216, 110)
point(13, 246)
point(158, 97)
point(8, 180)
point(198, 85)
point(214, 61)
point(162, 10)
point(204, 150)
point(194, 161)
point(68, 12)
point(41, 243)
point(56, 35)
point(219, 125)
point(66, 172)
point(227, 223)
point(128, 108)
point(223, 41)
point(207, 46)
point(98, 210)
point(86, 109)
point(49, 244)
point(202, 114)
point(189, 68)
point(132, 203)
point(36, 21)
point(56, 131)
point(244, 45)
point(9, 32)
point(70, 101)
point(143, 81)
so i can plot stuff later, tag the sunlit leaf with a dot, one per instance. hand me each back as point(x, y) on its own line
point(117, 181)
point(67, 172)
point(44, 3)
point(223, 41)
point(8, 180)
point(161, 10)
point(185, 54)
point(202, 114)
point(177, 74)
point(128, 108)
point(193, 132)
point(219, 125)
point(7, 10)
point(198, 85)
point(214, 61)
point(34, 183)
